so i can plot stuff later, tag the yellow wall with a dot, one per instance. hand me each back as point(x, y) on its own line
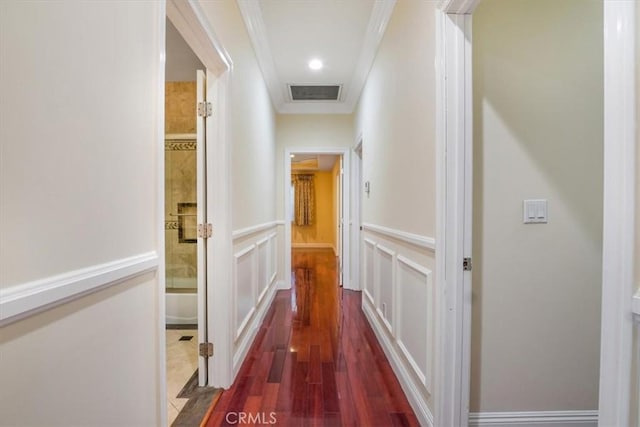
point(322, 232)
point(336, 203)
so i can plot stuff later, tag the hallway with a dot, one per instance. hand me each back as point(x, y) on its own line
point(315, 360)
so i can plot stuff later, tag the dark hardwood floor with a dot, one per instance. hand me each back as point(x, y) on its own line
point(315, 361)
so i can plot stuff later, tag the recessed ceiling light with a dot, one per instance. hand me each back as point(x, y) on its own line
point(315, 64)
point(292, 155)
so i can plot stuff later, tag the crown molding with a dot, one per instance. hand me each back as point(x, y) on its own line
point(380, 17)
point(252, 16)
point(254, 22)
point(458, 7)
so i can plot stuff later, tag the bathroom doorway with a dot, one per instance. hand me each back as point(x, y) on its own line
point(185, 209)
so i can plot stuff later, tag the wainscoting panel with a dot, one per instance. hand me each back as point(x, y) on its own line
point(273, 257)
point(369, 279)
point(386, 286)
point(263, 262)
point(415, 339)
point(244, 287)
point(399, 302)
point(255, 273)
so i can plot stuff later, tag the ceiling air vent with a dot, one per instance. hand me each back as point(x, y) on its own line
point(315, 93)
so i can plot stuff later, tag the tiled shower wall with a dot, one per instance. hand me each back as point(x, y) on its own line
point(180, 185)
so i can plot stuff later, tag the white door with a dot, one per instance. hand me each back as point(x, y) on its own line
point(201, 184)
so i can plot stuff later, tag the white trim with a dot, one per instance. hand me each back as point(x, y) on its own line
point(462, 7)
point(280, 222)
point(253, 19)
point(453, 232)
point(346, 196)
point(619, 213)
point(355, 220)
point(192, 24)
point(378, 287)
point(251, 326)
point(380, 17)
point(243, 232)
point(635, 306)
point(418, 240)
point(535, 418)
point(426, 377)
point(20, 301)
point(409, 386)
point(161, 336)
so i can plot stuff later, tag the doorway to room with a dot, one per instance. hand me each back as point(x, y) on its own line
point(316, 206)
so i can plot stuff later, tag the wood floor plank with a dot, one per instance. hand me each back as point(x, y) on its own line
point(315, 360)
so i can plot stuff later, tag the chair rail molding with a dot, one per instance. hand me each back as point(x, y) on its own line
point(418, 240)
point(20, 301)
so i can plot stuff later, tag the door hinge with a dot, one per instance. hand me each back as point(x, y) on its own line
point(205, 109)
point(466, 264)
point(206, 349)
point(205, 231)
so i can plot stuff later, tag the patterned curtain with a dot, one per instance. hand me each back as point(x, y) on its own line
point(305, 200)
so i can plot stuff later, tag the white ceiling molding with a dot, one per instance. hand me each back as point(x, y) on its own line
point(380, 16)
point(252, 16)
point(254, 21)
point(458, 6)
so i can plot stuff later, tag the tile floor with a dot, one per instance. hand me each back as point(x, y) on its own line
point(182, 361)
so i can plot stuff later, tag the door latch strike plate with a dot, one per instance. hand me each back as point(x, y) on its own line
point(466, 264)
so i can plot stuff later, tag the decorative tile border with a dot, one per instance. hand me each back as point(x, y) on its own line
point(179, 145)
point(171, 225)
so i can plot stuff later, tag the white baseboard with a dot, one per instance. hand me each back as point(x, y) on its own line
point(535, 419)
point(409, 386)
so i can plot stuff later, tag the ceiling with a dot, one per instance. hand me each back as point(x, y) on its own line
point(181, 63)
point(313, 162)
point(343, 34)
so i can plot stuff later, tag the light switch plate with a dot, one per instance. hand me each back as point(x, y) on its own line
point(535, 211)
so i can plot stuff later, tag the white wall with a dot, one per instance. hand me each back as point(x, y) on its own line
point(396, 118)
point(252, 121)
point(253, 170)
point(638, 145)
point(538, 130)
point(81, 140)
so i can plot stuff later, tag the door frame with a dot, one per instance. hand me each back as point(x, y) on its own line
point(454, 162)
point(346, 194)
point(355, 221)
point(454, 136)
point(190, 20)
point(619, 212)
